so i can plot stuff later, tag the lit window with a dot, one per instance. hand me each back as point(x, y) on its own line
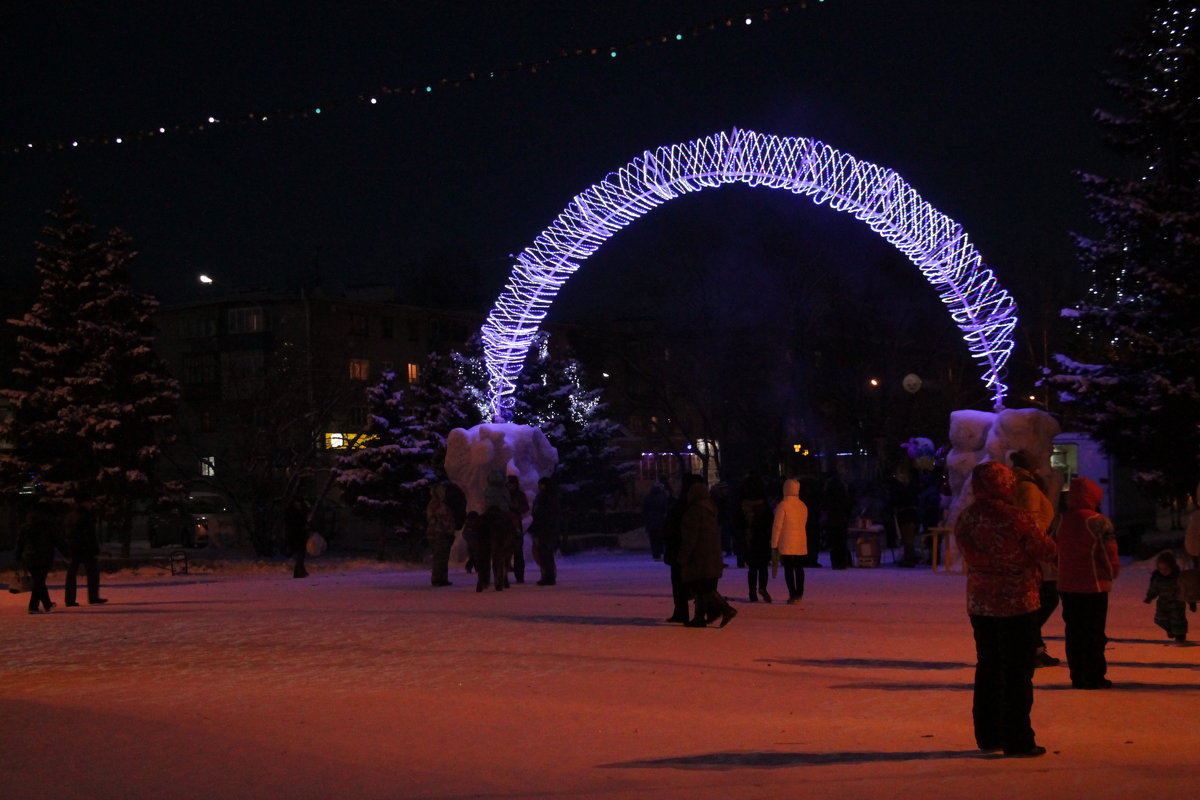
point(345, 441)
point(414, 372)
point(208, 466)
point(360, 369)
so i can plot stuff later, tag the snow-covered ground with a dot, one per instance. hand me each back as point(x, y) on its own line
point(369, 683)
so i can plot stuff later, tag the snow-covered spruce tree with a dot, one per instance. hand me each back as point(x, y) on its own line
point(473, 376)
point(552, 394)
point(1131, 375)
point(386, 474)
point(92, 399)
point(440, 402)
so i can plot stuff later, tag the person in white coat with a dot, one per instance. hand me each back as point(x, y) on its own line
point(789, 538)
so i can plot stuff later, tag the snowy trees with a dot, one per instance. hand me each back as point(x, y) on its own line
point(1131, 375)
point(91, 398)
point(442, 400)
point(551, 394)
point(386, 473)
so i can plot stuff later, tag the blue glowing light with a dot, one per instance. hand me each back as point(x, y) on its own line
point(936, 244)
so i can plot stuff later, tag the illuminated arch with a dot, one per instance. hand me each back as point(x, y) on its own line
point(936, 244)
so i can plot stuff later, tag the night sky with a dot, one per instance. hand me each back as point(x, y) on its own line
point(983, 107)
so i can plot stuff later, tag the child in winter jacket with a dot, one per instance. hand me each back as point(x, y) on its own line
point(1164, 586)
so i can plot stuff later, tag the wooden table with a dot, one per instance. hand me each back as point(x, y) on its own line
point(932, 541)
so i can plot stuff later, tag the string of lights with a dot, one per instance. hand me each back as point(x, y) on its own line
point(936, 244)
point(382, 93)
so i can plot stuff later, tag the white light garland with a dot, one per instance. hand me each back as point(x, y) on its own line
point(938, 246)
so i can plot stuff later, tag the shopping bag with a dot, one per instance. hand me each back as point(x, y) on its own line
point(21, 581)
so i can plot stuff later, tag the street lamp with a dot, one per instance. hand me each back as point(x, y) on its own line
point(205, 279)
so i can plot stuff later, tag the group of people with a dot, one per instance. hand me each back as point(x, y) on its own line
point(37, 541)
point(1023, 559)
point(495, 538)
point(828, 511)
point(689, 541)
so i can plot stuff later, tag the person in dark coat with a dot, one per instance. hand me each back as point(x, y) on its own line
point(700, 557)
point(518, 507)
point(723, 501)
point(439, 530)
point(654, 517)
point(755, 517)
point(672, 537)
point(295, 531)
point(497, 529)
point(546, 529)
point(810, 493)
point(82, 549)
point(1002, 546)
point(836, 505)
point(456, 499)
point(479, 548)
point(902, 496)
point(35, 552)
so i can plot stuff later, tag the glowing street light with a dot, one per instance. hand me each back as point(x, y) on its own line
point(205, 279)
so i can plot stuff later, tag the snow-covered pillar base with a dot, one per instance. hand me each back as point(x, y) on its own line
point(977, 436)
point(471, 453)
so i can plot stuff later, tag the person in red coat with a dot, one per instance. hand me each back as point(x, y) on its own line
point(1002, 546)
point(1087, 565)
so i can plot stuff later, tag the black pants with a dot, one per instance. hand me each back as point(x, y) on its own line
point(709, 602)
point(793, 574)
point(518, 558)
point(544, 550)
point(655, 534)
point(1004, 648)
point(90, 568)
point(38, 593)
point(756, 578)
point(1048, 594)
point(679, 594)
point(481, 557)
point(1085, 616)
point(297, 542)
